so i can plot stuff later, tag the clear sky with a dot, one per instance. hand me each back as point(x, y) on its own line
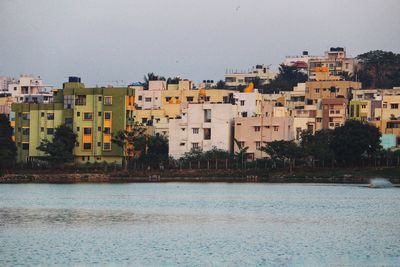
point(104, 41)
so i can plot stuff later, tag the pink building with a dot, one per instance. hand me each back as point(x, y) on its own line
point(151, 98)
point(252, 132)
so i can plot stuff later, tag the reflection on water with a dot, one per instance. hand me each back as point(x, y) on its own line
point(199, 224)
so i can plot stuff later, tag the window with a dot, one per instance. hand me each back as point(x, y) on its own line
point(167, 99)
point(108, 100)
point(78, 129)
point(244, 114)
point(25, 131)
point(99, 113)
point(107, 146)
point(80, 100)
point(100, 98)
point(319, 119)
point(225, 99)
point(182, 144)
point(147, 99)
point(99, 144)
point(258, 144)
point(144, 120)
point(87, 130)
point(257, 128)
point(183, 129)
point(107, 115)
point(50, 116)
point(207, 134)
point(25, 146)
point(195, 145)
point(50, 131)
point(99, 128)
point(78, 114)
point(107, 130)
point(363, 106)
point(241, 144)
point(189, 98)
point(140, 98)
point(331, 111)
point(77, 144)
point(25, 116)
point(195, 130)
point(242, 102)
point(394, 106)
point(207, 115)
point(68, 120)
point(384, 105)
point(88, 116)
point(276, 128)
point(87, 146)
point(42, 129)
point(207, 98)
point(41, 114)
point(337, 111)
point(317, 90)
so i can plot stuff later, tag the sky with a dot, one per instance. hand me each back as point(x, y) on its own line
point(118, 41)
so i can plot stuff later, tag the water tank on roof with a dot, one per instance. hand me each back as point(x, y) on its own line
point(305, 53)
point(74, 79)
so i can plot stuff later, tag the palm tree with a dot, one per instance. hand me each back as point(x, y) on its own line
point(151, 77)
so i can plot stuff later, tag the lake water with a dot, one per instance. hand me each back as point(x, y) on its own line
point(199, 224)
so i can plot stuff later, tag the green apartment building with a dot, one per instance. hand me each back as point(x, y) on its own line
point(94, 114)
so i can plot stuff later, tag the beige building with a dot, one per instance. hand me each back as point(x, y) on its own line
point(275, 124)
point(316, 90)
point(332, 66)
point(234, 78)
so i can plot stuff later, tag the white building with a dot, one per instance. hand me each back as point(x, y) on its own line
point(26, 86)
point(202, 126)
point(4, 82)
point(151, 98)
point(248, 104)
point(234, 78)
point(300, 59)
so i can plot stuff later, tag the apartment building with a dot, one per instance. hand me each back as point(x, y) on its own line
point(275, 124)
point(94, 114)
point(333, 113)
point(316, 90)
point(234, 78)
point(332, 66)
point(202, 126)
point(35, 122)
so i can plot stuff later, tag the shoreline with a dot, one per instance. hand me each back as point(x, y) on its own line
point(328, 176)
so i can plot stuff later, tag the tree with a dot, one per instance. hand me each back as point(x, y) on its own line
point(151, 77)
point(174, 80)
point(318, 146)
point(60, 149)
point(130, 142)
point(155, 150)
point(353, 140)
point(8, 150)
point(379, 69)
point(241, 154)
point(287, 78)
point(283, 151)
point(221, 85)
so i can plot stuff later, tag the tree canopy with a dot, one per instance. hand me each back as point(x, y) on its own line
point(60, 149)
point(354, 140)
point(287, 78)
point(8, 150)
point(379, 69)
